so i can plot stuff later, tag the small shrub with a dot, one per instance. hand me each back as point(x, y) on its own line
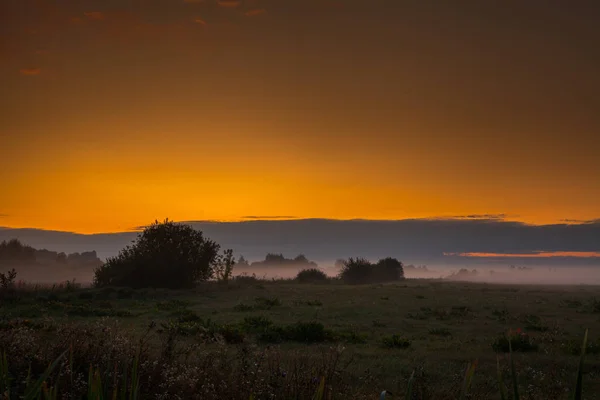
point(440, 332)
point(256, 323)
point(312, 275)
point(272, 334)
point(243, 307)
point(186, 315)
point(231, 334)
point(501, 315)
point(314, 303)
point(519, 341)
point(264, 303)
point(171, 305)
point(378, 324)
point(418, 316)
point(307, 332)
point(395, 342)
point(460, 311)
point(534, 323)
point(351, 337)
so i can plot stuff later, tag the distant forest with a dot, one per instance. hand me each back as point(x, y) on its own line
point(278, 260)
point(13, 253)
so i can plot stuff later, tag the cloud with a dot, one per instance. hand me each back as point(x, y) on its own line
point(200, 21)
point(536, 254)
point(269, 217)
point(229, 3)
point(476, 217)
point(30, 71)
point(95, 15)
point(255, 11)
point(580, 221)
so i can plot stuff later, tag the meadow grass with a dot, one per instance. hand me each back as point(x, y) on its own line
point(425, 339)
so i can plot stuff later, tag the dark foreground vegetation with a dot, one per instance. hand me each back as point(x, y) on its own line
point(280, 339)
point(193, 331)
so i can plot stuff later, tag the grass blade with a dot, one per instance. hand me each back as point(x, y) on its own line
point(320, 390)
point(4, 377)
point(578, 385)
point(503, 394)
point(135, 379)
point(468, 379)
point(409, 386)
point(32, 391)
point(513, 372)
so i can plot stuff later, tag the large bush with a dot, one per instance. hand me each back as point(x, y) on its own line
point(388, 269)
point(167, 255)
point(360, 271)
point(356, 271)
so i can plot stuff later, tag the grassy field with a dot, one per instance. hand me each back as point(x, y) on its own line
point(365, 338)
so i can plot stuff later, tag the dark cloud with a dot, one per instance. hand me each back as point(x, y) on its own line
point(269, 217)
point(486, 217)
point(412, 241)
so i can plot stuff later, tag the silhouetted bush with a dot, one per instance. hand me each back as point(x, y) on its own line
point(356, 271)
point(388, 269)
point(361, 271)
point(166, 255)
point(311, 275)
point(395, 342)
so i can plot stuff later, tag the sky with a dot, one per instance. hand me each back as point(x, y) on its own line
point(115, 113)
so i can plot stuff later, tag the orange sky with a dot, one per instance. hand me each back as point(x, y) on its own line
point(116, 113)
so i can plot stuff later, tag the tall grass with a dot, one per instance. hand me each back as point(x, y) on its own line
point(128, 387)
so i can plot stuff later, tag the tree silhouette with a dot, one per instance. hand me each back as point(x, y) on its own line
point(166, 254)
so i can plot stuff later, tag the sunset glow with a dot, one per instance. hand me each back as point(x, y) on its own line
point(112, 116)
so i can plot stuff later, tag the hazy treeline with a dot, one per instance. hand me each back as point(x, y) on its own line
point(278, 260)
point(13, 252)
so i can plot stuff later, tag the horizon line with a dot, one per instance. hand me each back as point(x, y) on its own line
point(491, 218)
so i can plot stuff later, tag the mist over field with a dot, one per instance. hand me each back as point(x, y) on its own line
point(451, 248)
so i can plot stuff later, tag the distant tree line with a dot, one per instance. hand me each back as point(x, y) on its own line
point(361, 271)
point(172, 255)
point(15, 253)
point(278, 260)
